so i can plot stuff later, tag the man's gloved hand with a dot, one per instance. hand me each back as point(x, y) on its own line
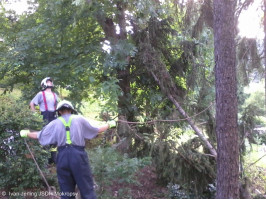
point(111, 123)
point(24, 133)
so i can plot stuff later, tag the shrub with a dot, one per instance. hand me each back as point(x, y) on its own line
point(17, 169)
point(109, 166)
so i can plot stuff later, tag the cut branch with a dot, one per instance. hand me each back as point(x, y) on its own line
point(193, 126)
point(154, 64)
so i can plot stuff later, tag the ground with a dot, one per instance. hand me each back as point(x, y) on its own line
point(146, 189)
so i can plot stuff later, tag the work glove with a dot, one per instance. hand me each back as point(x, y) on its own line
point(111, 123)
point(24, 133)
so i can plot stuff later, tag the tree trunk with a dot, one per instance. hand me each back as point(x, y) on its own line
point(226, 100)
point(123, 75)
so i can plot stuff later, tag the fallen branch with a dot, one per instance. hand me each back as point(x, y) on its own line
point(166, 120)
point(191, 123)
point(256, 161)
point(194, 127)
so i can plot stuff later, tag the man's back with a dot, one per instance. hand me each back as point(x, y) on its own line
point(55, 131)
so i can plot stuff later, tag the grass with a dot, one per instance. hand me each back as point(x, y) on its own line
point(256, 155)
point(255, 169)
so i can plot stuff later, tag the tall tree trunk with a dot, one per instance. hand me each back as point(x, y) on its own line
point(109, 27)
point(226, 100)
point(124, 74)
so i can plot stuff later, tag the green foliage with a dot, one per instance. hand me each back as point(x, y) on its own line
point(15, 115)
point(252, 114)
point(56, 40)
point(117, 58)
point(65, 39)
point(110, 167)
point(17, 169)
point(184, 164)
point(254, 169)
point(110, 92)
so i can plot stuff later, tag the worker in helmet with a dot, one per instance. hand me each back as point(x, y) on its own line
point(47, 101)
point(69, 132)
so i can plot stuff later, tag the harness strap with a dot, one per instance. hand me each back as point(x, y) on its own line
point(45, 102)
point(67, 125)
point(54, 101)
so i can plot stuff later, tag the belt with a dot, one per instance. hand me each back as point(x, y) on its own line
point(70, 146)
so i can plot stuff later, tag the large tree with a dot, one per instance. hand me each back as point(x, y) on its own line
point(226, 99)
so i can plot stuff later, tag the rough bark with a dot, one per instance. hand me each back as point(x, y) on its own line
point(226, 100)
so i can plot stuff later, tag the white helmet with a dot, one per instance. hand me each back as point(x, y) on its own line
point(44, 83)
point(65, 104)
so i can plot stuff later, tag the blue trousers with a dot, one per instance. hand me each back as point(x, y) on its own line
point(73, 169)
point(48, 116)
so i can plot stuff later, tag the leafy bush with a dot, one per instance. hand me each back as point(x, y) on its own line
point(17, 168)
point(110, 166)
point(186, 165)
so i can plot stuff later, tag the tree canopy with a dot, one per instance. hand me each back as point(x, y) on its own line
point(151, 64)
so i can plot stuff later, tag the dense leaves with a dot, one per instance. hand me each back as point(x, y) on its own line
point(105, 51)
point(17, 169)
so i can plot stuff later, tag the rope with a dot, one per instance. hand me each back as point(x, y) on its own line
point(153, 121)
point(51, 189)
point(48, 186)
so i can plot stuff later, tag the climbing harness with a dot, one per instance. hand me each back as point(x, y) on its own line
point(67, 125)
